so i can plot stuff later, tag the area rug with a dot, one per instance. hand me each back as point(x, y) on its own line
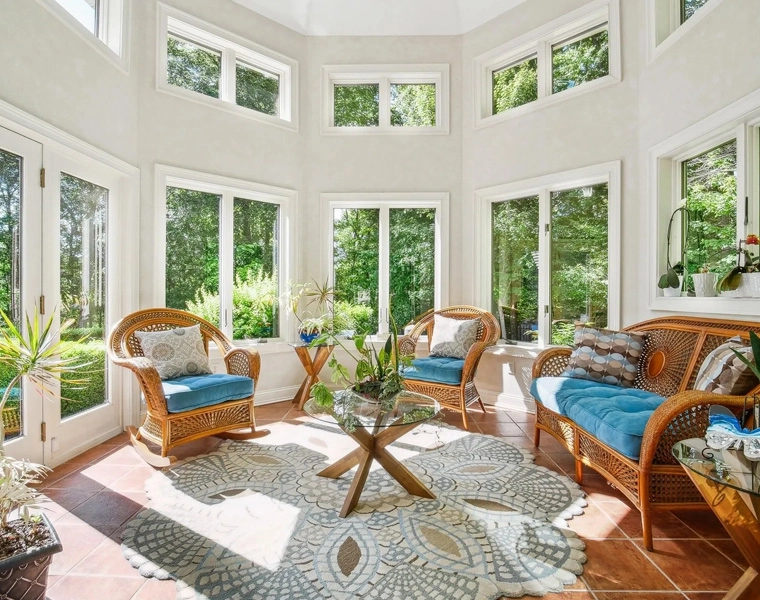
point(253, 520)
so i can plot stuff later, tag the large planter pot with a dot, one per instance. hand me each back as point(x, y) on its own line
point(750, 286)
point(24, 576)
point(704, 284)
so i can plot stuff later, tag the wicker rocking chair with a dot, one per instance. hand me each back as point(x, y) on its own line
point(170, 429)
point(455, 396)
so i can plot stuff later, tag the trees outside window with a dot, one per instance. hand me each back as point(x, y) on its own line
point(257, 89)
point(580, 60)
point(193, 67)
point(690, 7)
point(357, 105)
point(413, 104)
point(515, 85)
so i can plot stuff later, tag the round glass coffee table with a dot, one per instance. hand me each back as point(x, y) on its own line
point(374, 429)
point(731, 486)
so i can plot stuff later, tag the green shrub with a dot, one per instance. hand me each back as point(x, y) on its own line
point(356, 317)
point(77, 398)
point(563, 333)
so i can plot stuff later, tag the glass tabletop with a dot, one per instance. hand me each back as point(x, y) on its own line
point(359, 411)
point(725, 467)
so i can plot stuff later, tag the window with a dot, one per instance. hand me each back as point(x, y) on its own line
point(689, 7)
point(552, 254)
point(568, 53)
point(234, 279)
point(670, 20)
point(386, 256)
point(204, 63)
point(385, 99)
point(104, 24)
point(709, 177)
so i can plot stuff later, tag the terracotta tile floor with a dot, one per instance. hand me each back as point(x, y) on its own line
point(95, 494)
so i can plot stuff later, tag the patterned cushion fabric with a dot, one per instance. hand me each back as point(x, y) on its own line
point(175, 352)
point(722, 372)
point(189, 392)
point(436, 369)
point(453, 337)
point(605, 356)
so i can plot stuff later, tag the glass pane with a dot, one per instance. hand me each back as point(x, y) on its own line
point(412, 262)
point(689, 7)
point(11, 169)
point(84, 252)
point(357, 105)
point(192, 252)
point(256, 89)
point(84, 11)
point(579, 260)
point(193, 67)
point(413, 104)
point(356, 263)
point(579, 61)
point(256, 252)
point(514, 268)
point(516, 85)
point(710, 184)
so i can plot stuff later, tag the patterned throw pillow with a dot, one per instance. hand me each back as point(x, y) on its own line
point(175, 352)
point(452, 338)
point(605, 355)
point(723, 373)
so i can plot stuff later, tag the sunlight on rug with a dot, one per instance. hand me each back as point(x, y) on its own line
point(253, 520)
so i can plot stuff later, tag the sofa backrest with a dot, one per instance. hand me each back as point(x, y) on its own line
point(676, 346)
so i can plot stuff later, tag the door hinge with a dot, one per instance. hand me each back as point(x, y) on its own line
point(43, 431)
point(42, 177)
point(546, 309)
point(546, 228)
point(42, 305)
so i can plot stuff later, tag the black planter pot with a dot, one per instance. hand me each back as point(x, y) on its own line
point(25, 576)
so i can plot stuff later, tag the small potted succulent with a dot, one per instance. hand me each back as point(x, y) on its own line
point(27, 543)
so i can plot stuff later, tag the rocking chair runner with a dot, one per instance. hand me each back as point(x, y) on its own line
point(450, 381)
point(169, 429)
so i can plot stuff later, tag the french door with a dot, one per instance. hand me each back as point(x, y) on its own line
point(60, 259)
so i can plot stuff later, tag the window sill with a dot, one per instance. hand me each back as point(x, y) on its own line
point(354, 131)
point(718, 305)
point(520, 350)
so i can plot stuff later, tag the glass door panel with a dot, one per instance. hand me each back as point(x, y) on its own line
point(83, 276)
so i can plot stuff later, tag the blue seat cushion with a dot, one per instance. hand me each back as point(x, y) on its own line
point(614, 415)
point(196, 391)
point(436, 369)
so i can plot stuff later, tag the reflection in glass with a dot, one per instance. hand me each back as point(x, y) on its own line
point(84, 11)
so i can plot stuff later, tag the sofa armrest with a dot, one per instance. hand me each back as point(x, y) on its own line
point(245, 362)
point(149, 380)
point(682, 416)
point(551, 362)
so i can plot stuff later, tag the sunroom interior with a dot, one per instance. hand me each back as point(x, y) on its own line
point(549, 162)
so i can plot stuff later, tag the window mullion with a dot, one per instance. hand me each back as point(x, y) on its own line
point(544, 54)
point(743, 183)
point(227, 84)
point(384, 267)
point(544, 268)
point(385, 103)
point(226, 261)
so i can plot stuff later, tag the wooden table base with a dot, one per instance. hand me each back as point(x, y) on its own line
point(372, 446)
point(312, 368)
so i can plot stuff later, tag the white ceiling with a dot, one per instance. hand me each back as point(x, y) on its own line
point(380, 17)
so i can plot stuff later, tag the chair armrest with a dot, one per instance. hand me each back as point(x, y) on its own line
point(245, 362)
point(407, 344)
point(472, 359)
point(149, 380)
point(551, 362)
point(682, 416)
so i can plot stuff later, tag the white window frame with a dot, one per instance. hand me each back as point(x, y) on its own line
point(112, 39)
point(233, 49)
point(543, 187)
point(740, 120)
point(384, 76)
point(664, 27)
point(228, 189)
point(539, 43)
point(384, 202)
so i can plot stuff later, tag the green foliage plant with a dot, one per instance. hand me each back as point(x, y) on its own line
point(17, 478)
point(37, 355)
point(754, 364)
point(312, 305)
point(670, 277)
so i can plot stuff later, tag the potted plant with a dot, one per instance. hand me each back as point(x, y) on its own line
point(28, 543)
point(312, 306)
point(744, 279)
point(671, 281)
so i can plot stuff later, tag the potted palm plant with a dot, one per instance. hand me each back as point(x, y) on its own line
point(28, 543)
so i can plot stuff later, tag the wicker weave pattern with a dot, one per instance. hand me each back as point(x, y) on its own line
point(160, 426)
point(656, 481)
point(455, 397)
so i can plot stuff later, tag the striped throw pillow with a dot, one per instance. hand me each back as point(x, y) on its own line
point(723, 373)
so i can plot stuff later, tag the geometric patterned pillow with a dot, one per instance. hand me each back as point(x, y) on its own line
point(723, 373)
point(605, 355)
point(175, 352)
point(453, 337)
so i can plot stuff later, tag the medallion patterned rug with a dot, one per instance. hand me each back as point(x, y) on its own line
point(253, 520)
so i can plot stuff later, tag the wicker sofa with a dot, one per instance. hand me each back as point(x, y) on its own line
point(675, 348)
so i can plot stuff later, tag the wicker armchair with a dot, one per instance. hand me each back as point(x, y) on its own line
point(674, 351)
point(171, 429)
point(454, 396)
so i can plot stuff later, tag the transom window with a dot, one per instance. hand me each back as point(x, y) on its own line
point(670, 20)
point(690, 7)
point(385, 99)
point(87, 12)
point(386, 257)
point(204, 63)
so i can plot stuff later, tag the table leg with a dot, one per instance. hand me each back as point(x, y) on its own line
point(746, 588)
point(312, 368)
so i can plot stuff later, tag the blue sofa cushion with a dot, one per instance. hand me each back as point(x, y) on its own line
point(436, 369)
point(615, 416)
point(196, 391)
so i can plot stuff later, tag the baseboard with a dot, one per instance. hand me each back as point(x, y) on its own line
point(275, 395)
point(508, 401)
point(61, 458)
